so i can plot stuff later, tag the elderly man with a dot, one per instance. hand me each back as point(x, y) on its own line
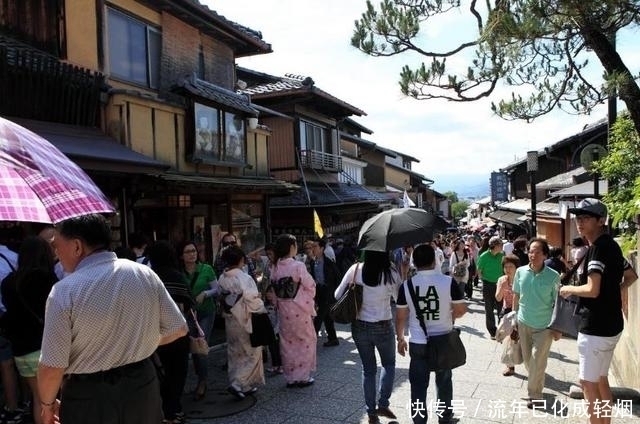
point(535, 288)
point(605, 272)
point(489, 268)
point(102, 323)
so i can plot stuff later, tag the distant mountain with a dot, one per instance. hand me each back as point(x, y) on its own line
point(469, 186)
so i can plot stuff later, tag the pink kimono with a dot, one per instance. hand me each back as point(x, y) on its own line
point(298, 337)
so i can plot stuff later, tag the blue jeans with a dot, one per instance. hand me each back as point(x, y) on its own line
point(369, 336)
point(419, 379)
point(200, 362)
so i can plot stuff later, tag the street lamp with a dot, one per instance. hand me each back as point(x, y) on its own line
point(532, 167)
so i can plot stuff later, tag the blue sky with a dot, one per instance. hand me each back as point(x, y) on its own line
point(452, 140)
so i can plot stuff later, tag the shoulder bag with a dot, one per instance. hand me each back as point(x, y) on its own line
point(345, 310)
point(565, 317)
point(444, 352)
point(262, 333)
point(197, 342)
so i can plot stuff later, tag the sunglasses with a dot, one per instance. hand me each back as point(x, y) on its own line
point(229, 243)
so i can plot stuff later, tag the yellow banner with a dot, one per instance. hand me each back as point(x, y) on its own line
point(317, 225)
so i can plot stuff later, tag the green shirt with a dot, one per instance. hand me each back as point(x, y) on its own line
point(490, 266)
point(537, 294)
point(199, 282)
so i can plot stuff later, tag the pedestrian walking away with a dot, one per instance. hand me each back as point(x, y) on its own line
point(373, 330)
point(102, 323)
point(441, 301)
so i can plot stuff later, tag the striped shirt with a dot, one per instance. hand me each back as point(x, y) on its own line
point(109, 312)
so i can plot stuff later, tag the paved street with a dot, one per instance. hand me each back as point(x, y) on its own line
point(481, 393)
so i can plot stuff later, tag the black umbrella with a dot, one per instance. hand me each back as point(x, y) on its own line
point(395, 228)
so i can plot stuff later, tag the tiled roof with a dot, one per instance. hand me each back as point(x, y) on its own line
point(217, 94)
point(293, 85)
point(564, 180)
point(584, 189)
point(230, 183)
point(329, 195)
point(249, 41)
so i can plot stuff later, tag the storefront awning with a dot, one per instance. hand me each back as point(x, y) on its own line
point(260, 184)
point(329, 195)
point(507, 217)
point(91, 149)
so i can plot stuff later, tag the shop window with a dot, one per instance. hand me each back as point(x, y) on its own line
point(134, 50)
point(247, 225)
point(220, 136)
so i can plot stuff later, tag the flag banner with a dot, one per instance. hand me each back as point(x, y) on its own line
point(406, 201)
point(317, 225)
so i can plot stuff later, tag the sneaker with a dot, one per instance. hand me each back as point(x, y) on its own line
point(11, 417)
point(330, 343)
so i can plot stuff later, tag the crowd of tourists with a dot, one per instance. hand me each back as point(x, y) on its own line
point(82, 335)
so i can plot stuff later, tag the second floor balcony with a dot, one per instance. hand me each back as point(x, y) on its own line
point(314, 159)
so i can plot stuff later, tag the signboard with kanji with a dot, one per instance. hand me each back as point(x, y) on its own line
point(499, 187)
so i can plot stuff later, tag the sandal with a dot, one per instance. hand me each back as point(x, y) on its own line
point(509, 371)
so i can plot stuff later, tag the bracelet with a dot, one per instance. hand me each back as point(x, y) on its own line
point(49, 404)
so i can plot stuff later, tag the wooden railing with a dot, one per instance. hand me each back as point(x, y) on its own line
point(315, 159)
point(37, 86)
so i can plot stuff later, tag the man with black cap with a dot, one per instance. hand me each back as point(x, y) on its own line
point(605, 273)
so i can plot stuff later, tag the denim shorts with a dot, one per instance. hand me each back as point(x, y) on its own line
point(5, 349)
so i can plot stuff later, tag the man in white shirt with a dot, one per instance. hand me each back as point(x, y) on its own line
point(441, 301)
point(507, 247)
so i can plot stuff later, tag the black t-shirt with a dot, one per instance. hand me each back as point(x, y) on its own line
point(25, 297)
point(602, 316)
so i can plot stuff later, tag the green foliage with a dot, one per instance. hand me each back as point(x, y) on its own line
point(458, 209)
point(621, 167)
point(538, 47)
point(451, 195)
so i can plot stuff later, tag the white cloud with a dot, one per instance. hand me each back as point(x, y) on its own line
point(313, 38)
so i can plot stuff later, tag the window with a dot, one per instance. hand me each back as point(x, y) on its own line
point(219, 136)
point(314, 137)
point(134, 50)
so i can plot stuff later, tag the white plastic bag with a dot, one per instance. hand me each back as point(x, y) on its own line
point(511, 352)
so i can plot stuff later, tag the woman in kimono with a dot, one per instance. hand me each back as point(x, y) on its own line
point(240, 298)
point(295, 289)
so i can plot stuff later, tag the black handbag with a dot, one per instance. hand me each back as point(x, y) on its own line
point(445, 351)
point(262, 332)
point(345, 310)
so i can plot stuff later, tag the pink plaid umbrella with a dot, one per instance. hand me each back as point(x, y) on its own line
point(38, 183)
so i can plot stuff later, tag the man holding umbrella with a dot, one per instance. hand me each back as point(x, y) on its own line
point(102, 323)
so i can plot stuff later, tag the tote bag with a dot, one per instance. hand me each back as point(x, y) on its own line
point(565, 317)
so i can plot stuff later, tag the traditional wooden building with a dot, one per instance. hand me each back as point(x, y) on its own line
point(142, 95)
point(306, 149)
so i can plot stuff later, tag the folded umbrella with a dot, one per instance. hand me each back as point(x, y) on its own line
point(38, 183)
point(396, 228)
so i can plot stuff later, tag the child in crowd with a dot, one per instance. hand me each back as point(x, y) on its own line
point(274, 348)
